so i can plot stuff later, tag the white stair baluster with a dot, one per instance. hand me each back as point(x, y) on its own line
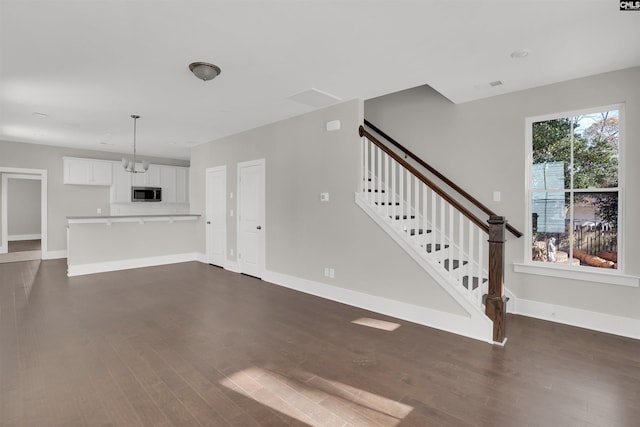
point(416, 204)
point(401, 191)
point(480, 264)
point(409, 222)
point(384, 194)
point(461, 256)
point(379, 180)
point(451, 239)
point(424, 213)
point(442, 229)
point(433, 218)
point(472, 264)
point(362, 148)
point(393, 190)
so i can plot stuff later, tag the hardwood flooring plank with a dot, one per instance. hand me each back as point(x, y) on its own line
point(192, 345)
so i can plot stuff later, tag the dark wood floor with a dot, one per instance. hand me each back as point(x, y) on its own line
point(190, 345)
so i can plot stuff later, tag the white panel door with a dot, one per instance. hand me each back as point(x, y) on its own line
point(251, 193)
point(216, 215)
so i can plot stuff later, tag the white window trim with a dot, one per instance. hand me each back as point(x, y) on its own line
point(591, 274)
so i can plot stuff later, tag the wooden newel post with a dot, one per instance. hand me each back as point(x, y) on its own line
point(496, 303)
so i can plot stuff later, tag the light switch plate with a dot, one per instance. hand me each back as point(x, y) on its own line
point(324, 197)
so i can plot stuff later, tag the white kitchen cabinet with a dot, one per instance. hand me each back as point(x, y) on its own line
point(151, 178)
point(182, 185)
point(168, 183)
point(174, 181)
point(87, 171)
point(121, 188)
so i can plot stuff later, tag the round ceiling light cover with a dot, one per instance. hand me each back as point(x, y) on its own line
point(204, 71)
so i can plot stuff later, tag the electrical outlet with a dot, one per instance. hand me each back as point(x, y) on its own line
point(332, 273)
point(326, 272)
point(231, 212)
point(231, 252)
point(99, 210)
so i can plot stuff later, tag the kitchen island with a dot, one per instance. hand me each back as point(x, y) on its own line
point(108, 243)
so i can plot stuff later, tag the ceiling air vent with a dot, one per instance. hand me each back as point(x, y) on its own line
point(315, 98)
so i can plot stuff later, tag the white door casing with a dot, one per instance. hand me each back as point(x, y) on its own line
point(251, 217)
point(216, 218)
point(22, 173)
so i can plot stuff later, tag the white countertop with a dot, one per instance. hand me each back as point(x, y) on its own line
point(108, 219)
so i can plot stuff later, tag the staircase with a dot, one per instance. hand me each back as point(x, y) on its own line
point(442, 235)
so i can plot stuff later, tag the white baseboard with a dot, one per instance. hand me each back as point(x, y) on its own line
point(602, 322)
point(125, 264)
point(462, 325)
point(17, 237)
point(232, 266)
point(229, 265)
point(54, 254)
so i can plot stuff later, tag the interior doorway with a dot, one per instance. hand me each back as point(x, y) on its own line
point(23, 214)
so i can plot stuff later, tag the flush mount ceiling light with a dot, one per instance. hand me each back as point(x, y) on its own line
point(204, 71)
point(130, 166)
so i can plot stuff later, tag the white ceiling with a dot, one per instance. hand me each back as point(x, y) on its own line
point(90, 64)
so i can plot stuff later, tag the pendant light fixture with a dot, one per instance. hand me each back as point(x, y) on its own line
point(205, 71)
point(130, 166)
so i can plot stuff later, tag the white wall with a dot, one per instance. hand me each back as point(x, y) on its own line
point(63, 200)
point(23, 207)
point(480, 145)
point(304, 235)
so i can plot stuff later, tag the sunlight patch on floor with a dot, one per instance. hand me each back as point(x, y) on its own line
point(315, 400)
point(376, 323)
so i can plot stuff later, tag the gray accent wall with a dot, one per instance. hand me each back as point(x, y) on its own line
point(304, 235)
point(23, 207)
point(481, 146)
point(64, 200)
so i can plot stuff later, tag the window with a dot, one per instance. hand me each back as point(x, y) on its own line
point(575, 189)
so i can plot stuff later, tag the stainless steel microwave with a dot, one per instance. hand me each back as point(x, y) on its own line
point(146, 194)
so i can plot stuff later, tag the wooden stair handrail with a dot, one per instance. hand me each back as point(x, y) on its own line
point(440, 176)
point(477, 221)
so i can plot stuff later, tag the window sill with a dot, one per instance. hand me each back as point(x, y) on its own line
point(607, 277)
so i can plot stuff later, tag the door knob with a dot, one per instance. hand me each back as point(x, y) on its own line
point(208, 222)
point(259, 227)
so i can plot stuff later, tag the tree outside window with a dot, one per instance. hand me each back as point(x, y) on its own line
point(575, 190)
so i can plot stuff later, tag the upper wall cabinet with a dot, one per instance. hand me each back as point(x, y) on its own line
point(87, 171)
point(182, 185)
point(151, 178)
point(172, 179)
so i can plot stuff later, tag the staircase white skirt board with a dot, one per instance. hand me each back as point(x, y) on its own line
point(477, 325)
point(460, 325)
